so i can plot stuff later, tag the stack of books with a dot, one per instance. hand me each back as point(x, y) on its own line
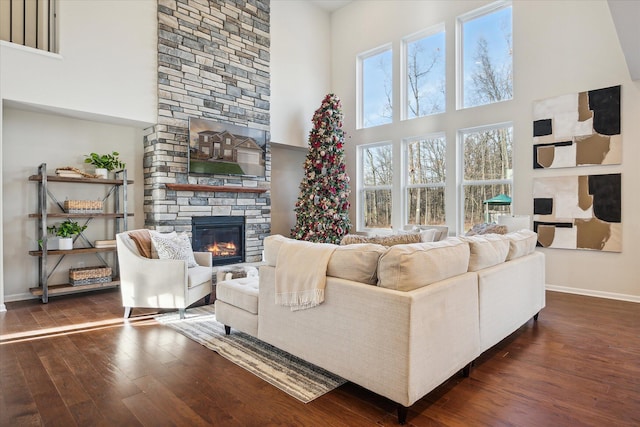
point(67, 173)
point(104, 243)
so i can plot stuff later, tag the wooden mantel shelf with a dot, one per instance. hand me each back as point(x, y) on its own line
point(215, 188)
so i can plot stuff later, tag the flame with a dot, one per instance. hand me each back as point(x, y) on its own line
point(223, 249)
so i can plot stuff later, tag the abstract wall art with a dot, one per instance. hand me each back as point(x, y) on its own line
point(578, 212)
point(579, 129)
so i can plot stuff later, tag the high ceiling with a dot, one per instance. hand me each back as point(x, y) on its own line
point(330, 5)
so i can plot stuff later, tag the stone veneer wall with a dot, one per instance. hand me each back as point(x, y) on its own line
point(213, 63)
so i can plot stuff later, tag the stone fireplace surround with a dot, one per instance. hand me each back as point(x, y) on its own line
point(213, 63)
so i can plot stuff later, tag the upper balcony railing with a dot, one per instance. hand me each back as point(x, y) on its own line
point(29, 23)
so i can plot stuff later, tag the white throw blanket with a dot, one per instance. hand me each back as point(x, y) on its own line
point(301, 273)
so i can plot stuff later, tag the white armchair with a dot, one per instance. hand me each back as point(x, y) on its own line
point(161, 283)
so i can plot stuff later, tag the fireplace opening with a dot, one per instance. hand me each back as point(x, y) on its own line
point(223, 236)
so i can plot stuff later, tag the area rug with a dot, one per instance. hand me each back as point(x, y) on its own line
point(290, 374)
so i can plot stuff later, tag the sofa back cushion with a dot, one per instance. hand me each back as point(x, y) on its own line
point(408, 267)
point(521, 243)
point(272, 247)
point(358, 262)
point(486, 250)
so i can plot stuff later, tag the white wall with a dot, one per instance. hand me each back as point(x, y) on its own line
point(286, 174)
point(300, 68)
point(106, 62)
point(300, 77)
point(105, 72)
point(559, 48)
point(34, 138)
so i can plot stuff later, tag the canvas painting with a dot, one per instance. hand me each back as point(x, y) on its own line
point(217, 148)
point(578, 212)
point(579, 129)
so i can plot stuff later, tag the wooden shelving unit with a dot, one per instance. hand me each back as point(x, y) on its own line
point(116, 189)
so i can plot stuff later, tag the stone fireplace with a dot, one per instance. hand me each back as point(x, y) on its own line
point(213, 63)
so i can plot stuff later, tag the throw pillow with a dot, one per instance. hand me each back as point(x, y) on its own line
point(487, 229)
point(178, 247)
point(395, 239)
point(154, 252)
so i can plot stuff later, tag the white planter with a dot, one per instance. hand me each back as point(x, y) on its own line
point(65, 244)
point(102, 173)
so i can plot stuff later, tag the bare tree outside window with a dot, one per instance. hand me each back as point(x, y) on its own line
point(425, 67)
point(426, 180)
point(487, 172)
point(377, 93)
point(487, 68)
point(377, 178)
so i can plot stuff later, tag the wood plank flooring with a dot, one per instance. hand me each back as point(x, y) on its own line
point(75, 361)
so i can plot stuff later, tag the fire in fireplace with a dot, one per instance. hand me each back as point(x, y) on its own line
point(223, 236)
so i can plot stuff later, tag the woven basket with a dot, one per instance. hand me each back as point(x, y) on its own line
point(85, 273)
point(83, 206)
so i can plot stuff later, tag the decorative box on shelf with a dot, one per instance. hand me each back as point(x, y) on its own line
point(89, 275)
point(83, 206)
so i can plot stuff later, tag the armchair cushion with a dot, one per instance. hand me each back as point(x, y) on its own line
point(178, 247)
point(198, 274)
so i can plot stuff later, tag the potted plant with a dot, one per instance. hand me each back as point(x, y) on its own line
point(65, 231)
point(104, 163)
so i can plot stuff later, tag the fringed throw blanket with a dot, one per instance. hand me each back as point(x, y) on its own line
point(301, 273)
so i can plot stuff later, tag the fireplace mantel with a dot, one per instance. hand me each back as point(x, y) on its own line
point(215, 188)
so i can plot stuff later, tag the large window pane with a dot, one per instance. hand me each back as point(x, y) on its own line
point(377, 89)
point(487, 51)
point(377, 212)
point(377, 179)
point(426, 206)
point(377, 165)
point(425, 67)
point(425, 180)
point(476, 211)
point(487, 154)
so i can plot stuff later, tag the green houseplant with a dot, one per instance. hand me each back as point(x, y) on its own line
point(66, 230)
point(106, 162)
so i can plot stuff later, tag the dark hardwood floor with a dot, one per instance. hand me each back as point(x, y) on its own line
point(75, 361)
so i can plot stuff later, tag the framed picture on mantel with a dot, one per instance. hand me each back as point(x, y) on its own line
point(217, 148)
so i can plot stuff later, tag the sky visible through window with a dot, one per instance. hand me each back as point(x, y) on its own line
point(494, 28)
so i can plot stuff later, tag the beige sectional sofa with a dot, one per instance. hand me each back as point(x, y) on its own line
point(401, 320)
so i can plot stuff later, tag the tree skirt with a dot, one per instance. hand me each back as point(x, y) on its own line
point(290, 374)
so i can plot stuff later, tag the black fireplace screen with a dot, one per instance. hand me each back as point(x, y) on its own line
point(223, 236)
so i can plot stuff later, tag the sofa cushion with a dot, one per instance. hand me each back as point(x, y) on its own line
point(394, 239)
point(521, 243)
point(408, 267)
point(241, 293)
point(486, 250)
point(357, 262)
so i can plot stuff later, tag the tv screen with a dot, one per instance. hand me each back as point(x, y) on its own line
point(218, 148)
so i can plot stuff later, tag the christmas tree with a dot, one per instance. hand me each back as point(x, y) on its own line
point(322, 209)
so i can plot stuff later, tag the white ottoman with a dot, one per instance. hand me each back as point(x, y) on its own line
point(236, 304)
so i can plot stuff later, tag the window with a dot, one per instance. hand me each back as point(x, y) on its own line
point(425, 180)
point(376, 181)
point(486, 173)
point(485, 67)
point(424, 67)
point(376, 88)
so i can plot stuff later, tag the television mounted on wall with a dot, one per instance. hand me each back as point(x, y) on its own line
point(218, 148)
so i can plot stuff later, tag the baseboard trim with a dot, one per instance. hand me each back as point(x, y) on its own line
point(19, 297)
point(592, 293)
point(3, 308)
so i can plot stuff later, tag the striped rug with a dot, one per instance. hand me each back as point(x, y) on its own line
point(290, 374)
